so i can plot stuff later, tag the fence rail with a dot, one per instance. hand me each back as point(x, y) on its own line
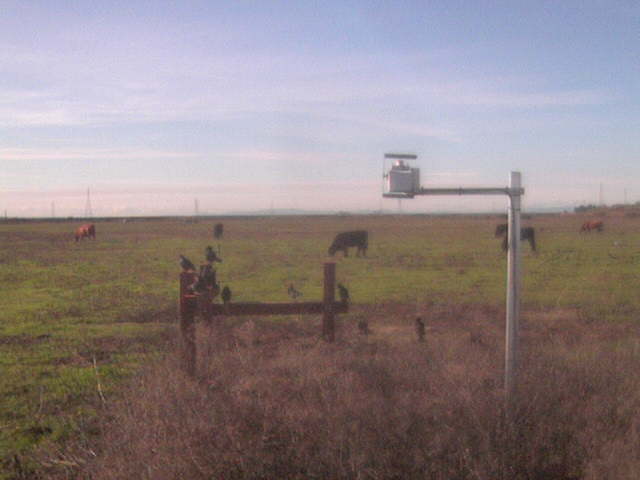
point(192, 304)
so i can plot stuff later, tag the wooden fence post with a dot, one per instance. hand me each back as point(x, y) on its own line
point(188, 307)
point(204, 306)
point(328, 318)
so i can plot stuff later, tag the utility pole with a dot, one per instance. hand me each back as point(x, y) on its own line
point(601, 196)
point(88, 212)
point(196, 211)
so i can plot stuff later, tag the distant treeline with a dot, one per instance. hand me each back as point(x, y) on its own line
point(584, 208)
point(15, 220)
point(589, 207)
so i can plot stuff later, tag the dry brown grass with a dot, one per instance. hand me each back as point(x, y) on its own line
point(272, 402)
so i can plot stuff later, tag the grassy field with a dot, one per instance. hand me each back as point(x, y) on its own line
point(78, 319)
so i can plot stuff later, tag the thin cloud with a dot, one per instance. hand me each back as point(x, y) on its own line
point(18, 154)
point(279, 156)
point(217, 88)
point(532, 100)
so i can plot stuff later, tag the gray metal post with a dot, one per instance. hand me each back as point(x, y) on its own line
point(515, 192)
point(513, 285)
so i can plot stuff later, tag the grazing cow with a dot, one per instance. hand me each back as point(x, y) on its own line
point(592, 225)
point(88, 230)
point(526, 233)
point(344, 240)
point(218, 230)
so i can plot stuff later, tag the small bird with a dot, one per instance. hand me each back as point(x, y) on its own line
point(211, 255)
point(218, 230)
point(344, 293)
point(226, 295)
point(420, 329)
point(199, 285)
point(293, 292)
point(186, 264)
point(208, 274)
point(363, 327)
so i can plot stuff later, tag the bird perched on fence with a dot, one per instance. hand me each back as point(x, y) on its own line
point(293, 292)
point(211, 255)
point(206, 280)
point(186, 264)
point(209, 275)
point(344, 293)
point(420, 329)
point(363, 327)
point(199, 285)
point(226, 295)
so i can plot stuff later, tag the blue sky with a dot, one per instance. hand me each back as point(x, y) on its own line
point(251, 104)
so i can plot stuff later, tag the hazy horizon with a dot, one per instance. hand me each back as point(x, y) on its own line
point(249, 106)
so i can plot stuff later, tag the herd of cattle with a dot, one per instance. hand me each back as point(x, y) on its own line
point(360, 238)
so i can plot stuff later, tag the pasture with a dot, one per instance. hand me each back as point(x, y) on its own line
point(78, 319)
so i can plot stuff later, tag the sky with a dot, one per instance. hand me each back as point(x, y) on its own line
point(258, 105)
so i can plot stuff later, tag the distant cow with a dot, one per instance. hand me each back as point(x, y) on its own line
point(88, 230)
point(344, 240)
point(592, 225)
point(218, 230)
point(526, 233)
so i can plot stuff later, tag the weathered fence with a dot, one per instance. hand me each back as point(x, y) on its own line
point(201, 303)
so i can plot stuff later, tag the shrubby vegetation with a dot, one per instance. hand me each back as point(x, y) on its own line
point(270, 401)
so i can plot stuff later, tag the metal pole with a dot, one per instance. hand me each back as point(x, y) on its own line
point(513, 286)
point(515, 192)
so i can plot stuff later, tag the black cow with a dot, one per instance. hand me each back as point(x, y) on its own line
point(526, 233)
point(344, 240)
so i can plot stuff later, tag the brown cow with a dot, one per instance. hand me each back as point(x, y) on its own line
point(88, 230)
point(592, 225)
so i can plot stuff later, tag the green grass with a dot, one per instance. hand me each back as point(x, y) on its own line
point(113, 299)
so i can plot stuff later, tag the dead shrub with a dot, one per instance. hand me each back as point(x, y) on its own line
point(266, 408)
